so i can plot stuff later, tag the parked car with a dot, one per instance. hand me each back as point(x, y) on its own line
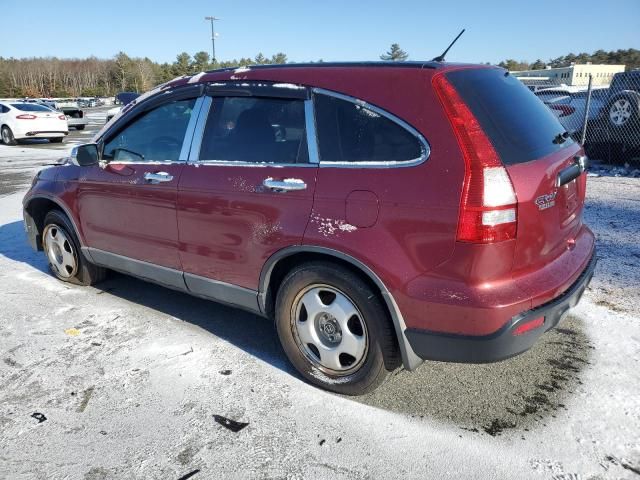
point(20, 120)
point(569, 106)
point(123, 99)
point(615, 133)
point(440, 219)
point(75, 117)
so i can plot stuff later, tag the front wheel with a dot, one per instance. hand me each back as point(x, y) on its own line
point(56, 139)
point(79, 127)
point(334, 329)
point(66, 260)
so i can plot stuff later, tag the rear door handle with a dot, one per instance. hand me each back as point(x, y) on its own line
point(286, 185)
point(157, 177)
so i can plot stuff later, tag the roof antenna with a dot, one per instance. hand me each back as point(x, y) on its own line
point(440, 58)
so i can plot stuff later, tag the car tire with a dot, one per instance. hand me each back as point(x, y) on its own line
point(56, 139)
point(334, 329)
point(79, 127)
point(623, 111)
point(62, 249)
point(7, 136)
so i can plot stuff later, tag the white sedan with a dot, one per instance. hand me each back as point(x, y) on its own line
point(20, 120)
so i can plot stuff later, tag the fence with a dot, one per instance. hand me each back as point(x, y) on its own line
point(604, 118)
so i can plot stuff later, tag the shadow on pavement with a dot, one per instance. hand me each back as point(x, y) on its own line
point(253, 334)
point(514, 394)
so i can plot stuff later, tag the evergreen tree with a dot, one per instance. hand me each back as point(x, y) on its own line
point(200, 62)
point(538, 65)
point(279, 58)
point(395, 54)
point(182, 65)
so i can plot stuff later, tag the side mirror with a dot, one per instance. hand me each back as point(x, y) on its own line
point(85, 155)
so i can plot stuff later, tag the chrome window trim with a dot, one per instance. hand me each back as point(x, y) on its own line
point(424, 144)
point(310, 127)
point(198, 135)
point(198, 130)
point(188, 134)
point(234, 163)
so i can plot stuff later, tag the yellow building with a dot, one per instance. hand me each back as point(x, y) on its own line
point(574, 75)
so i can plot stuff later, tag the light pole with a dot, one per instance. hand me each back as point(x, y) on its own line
point(213, 38)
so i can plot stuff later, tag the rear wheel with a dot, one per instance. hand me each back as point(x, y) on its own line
point(7, 136)
point(66, 260)
point(56, 139)
point(79, 127)
point(334, 329)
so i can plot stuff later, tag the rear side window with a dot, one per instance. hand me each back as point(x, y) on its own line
point(255, 130)
point(520, 127)
point(351, 132)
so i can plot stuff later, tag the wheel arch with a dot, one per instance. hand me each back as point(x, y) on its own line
point(281, 262)
point(35, 211)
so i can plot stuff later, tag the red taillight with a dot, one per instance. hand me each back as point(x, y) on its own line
point(488, 207)
point(26, 116)
point(528, 326)
point(62, 117)
point(563, 109)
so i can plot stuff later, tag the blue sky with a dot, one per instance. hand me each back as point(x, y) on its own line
point(310, 30)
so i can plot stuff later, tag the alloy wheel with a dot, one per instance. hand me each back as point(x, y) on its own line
point(620, 112)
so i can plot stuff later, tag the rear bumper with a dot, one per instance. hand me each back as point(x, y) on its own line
point(74, 122)
point(504, 343)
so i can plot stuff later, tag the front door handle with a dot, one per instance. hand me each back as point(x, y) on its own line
point(157, 177)
point(286, 185)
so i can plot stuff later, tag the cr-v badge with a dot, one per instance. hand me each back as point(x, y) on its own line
point(546, 201)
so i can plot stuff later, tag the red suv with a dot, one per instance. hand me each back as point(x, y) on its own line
point(380, 213)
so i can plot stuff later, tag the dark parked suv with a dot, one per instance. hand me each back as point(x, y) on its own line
point(615, 132)
point(380, 213)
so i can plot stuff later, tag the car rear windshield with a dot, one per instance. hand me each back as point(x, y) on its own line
point(30, 107)
point(520, 127)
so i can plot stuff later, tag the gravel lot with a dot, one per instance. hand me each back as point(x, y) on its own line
point(130, 375)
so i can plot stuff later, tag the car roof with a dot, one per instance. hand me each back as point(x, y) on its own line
point(295, 72)
point(369, 64)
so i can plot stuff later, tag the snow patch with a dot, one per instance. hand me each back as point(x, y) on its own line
point(196, 78)
point(288, 85)
point(329, 226)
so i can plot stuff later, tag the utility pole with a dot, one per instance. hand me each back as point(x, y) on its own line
point(213, 38)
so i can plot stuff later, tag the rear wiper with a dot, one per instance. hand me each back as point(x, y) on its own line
point(561, 138)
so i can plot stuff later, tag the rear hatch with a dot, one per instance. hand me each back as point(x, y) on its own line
point(50, 121)
point(534, 148)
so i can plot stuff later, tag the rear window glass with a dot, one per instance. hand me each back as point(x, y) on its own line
point(30, 107)
point(351, 132)
point(256, 130)
point(520, 127)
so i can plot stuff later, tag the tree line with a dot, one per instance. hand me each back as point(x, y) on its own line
point(89, 77)
point(629, 57)
point(93, 77)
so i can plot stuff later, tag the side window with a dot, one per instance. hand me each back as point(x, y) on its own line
point(255, 129)
point(155, 135)
point(351, 132)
